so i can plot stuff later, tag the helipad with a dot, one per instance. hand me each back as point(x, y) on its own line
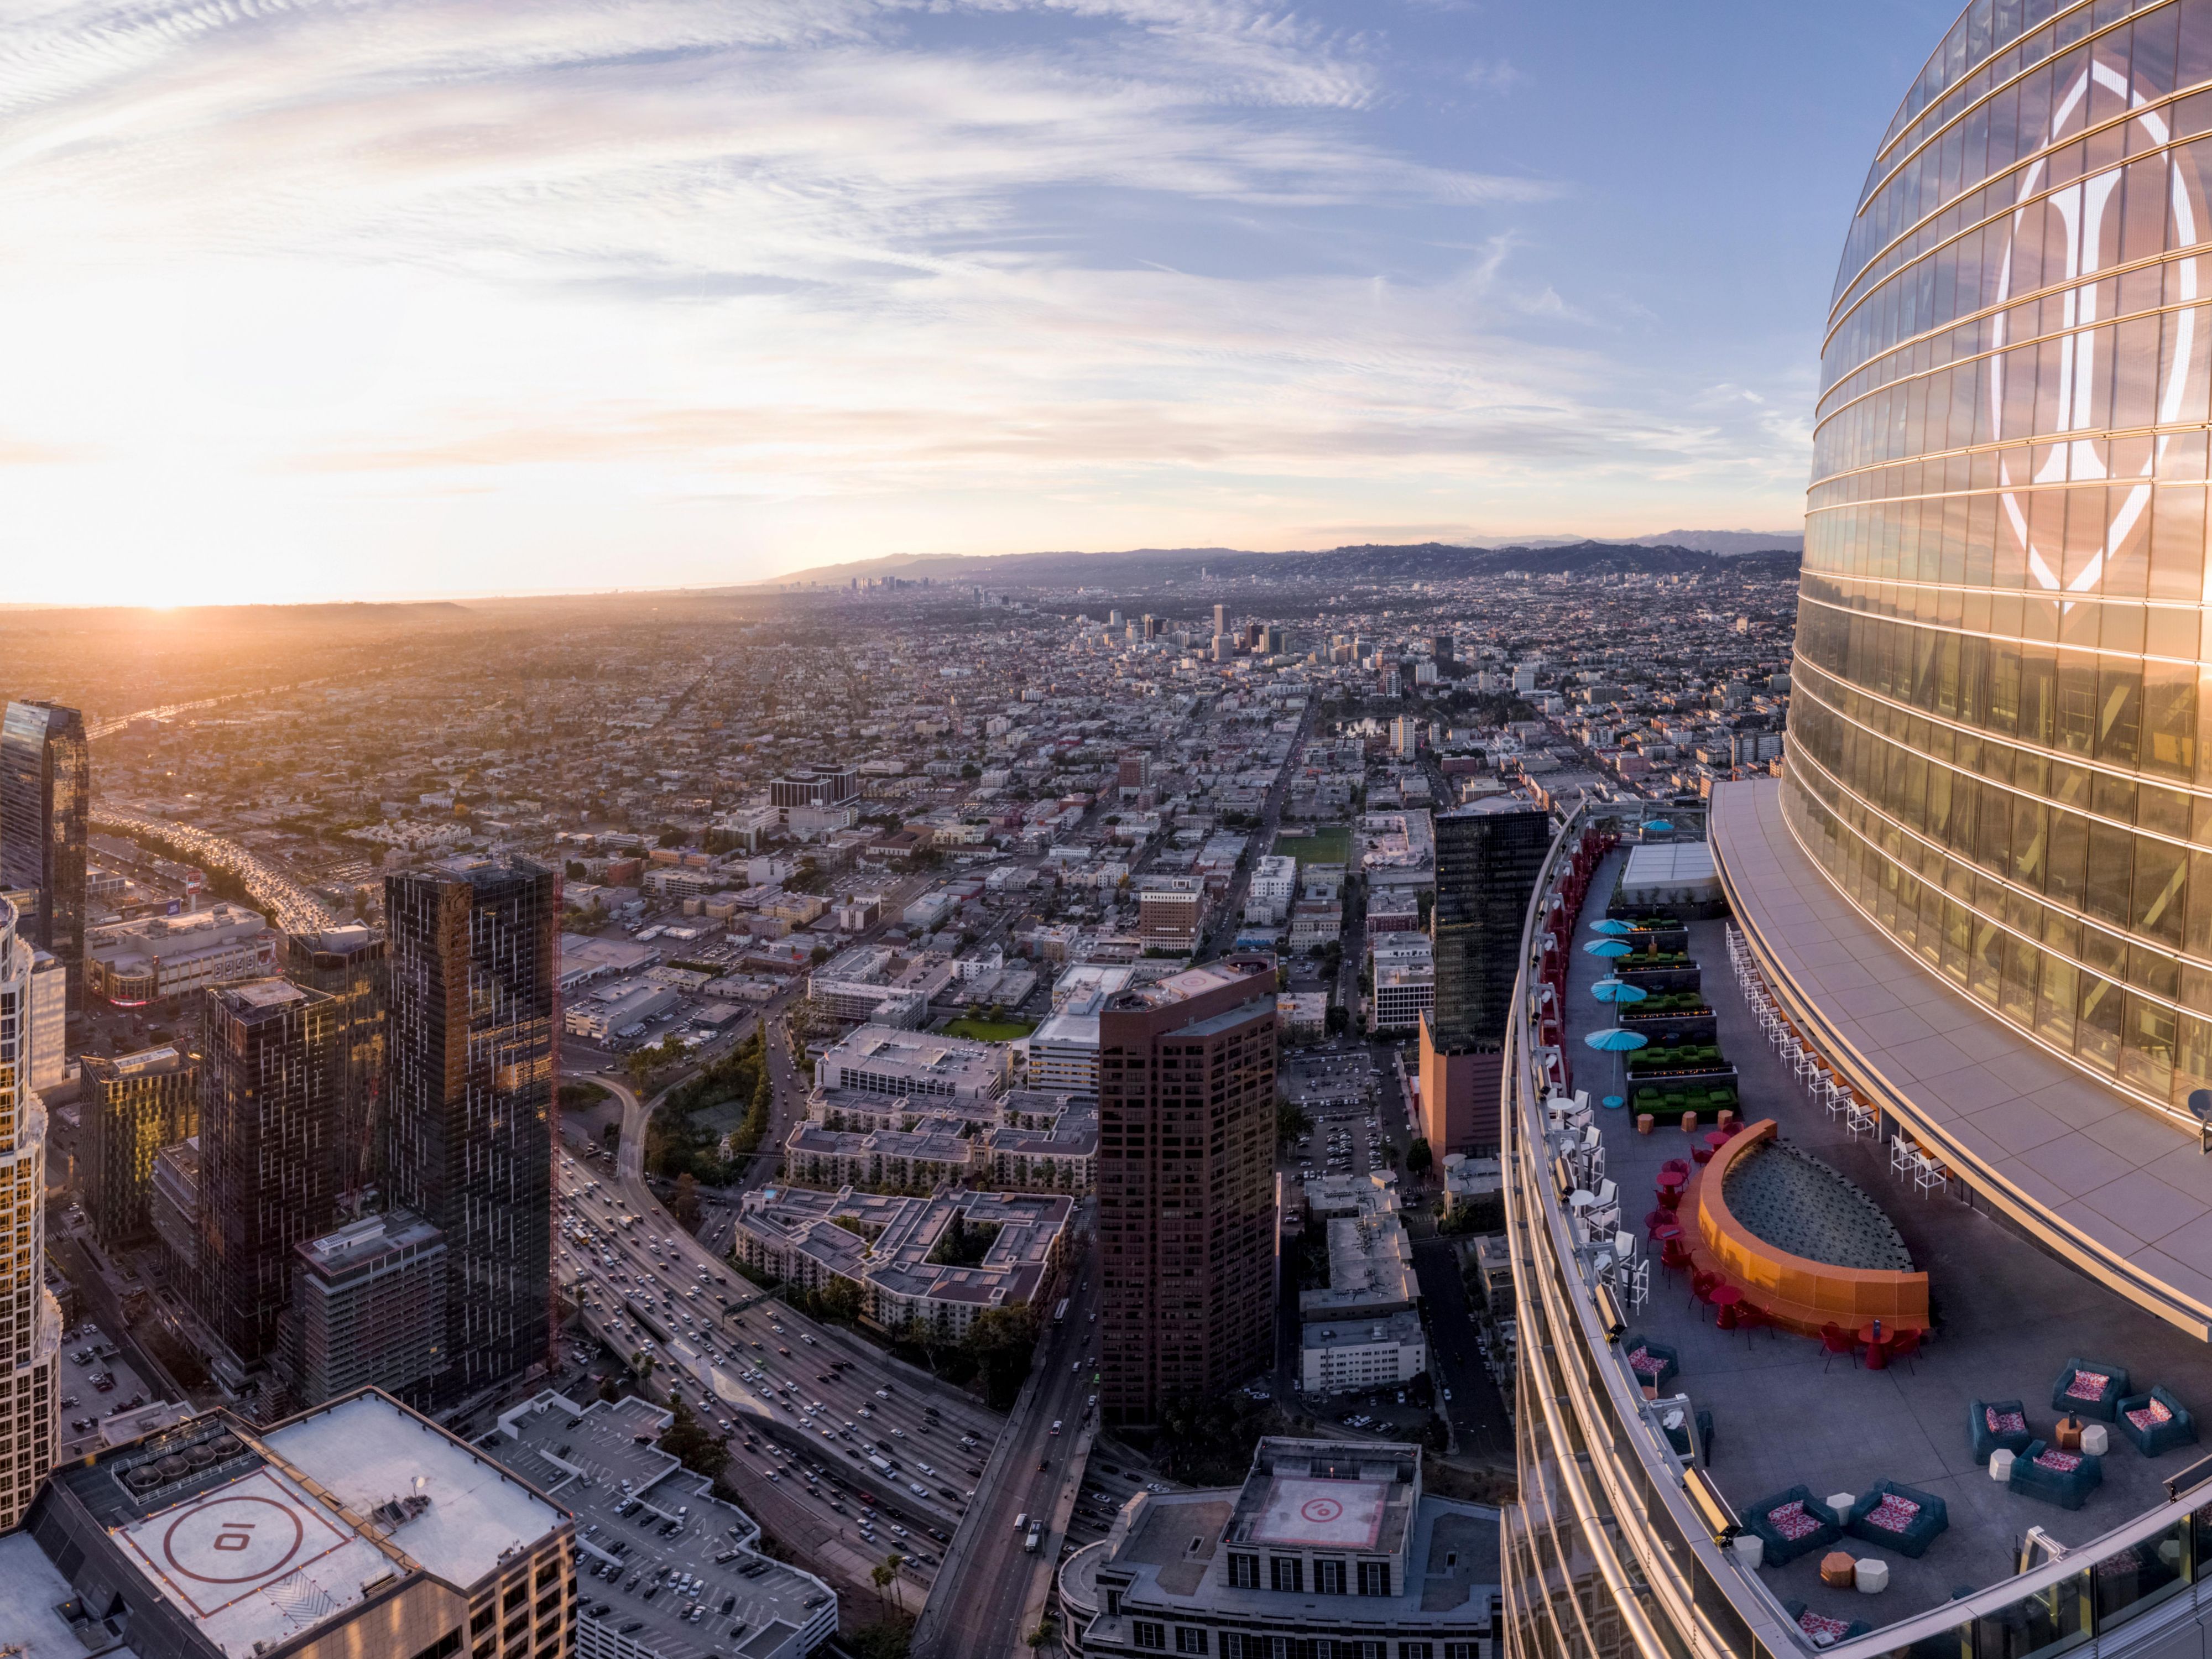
point(254, 1560)
point(1327, 1514)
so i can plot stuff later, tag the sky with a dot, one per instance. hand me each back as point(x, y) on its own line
point(312, 298)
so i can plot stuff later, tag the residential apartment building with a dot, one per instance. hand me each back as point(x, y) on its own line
point(268, 1119)
point(131, 1106)
point(368, 1309)
point(1186, 1189)
point(469, 1141)
point(347, 964)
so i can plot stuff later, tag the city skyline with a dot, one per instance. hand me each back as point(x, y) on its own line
point(400, 300)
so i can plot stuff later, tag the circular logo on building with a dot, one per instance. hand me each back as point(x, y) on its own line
point(1321, 1510)
point(233, 1540)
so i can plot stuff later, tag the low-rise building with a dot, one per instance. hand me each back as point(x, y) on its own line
point(1063, 1052)
point(1403, 992)
point(1172, 915)
point(135, 963)
point(1325, 1541)
point(1371, 1260)
point(879, 1159)
point(868, 1001)
point(1303, 1015)
point(921, 1066)
point(679, 1572)
point(621, 1009)
point(1352, 1357)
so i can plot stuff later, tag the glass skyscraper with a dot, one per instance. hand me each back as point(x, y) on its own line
point(1994, 726)
point(467, 1125)
point(1966, 966)
point(46, 803)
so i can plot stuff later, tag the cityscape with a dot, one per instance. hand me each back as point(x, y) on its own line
point(1561, 1096)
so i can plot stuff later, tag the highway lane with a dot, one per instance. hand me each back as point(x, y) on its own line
point(804, 1394)
point(988, 1577)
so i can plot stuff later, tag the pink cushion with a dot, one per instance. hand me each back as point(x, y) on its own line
point(2087, 1385)
point(1791, 1521)
point(1645, 1363)
point(2062, 1462)
point(1893, 1513)
point(1824, 1631)
point(2004, 1422)
point(2150, 1416)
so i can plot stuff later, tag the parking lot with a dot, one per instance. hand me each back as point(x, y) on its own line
point(1332, 1080)
point(97, 1383)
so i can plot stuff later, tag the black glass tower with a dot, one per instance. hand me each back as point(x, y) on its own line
point(468, 1122)
point(348, 966)
point(267, 1122)
point(46, 799)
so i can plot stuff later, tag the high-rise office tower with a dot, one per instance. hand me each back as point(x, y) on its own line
point(1151, 626)
point(468, 1114)
point(1486, 865)
point(131, 1106)
point(1220, 620)
point(30, 1319)
point(45, 799)
point(268, 1116)
point(1186, 1188)
point(347, 964)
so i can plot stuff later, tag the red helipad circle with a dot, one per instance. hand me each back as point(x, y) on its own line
point(1321, 1510)
point(233, 1540)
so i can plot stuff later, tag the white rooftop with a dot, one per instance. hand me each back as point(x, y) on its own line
point(368, 1450)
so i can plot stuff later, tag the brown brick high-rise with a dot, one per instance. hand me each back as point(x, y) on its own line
point(1186, 1188)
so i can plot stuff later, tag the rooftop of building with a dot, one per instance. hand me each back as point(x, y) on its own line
point(164, 1061)
point(897, 1234)
point(352, 1247)
point(258, 996)
point(590, 1459)
point(178, 935)
point(362, 1492)
point(1403, 1327)
point(1302, 1495)
point(1370, 1268)
point(41, 1612)
point(2009, 1316)
point(917, 1057)
point(1177, 988)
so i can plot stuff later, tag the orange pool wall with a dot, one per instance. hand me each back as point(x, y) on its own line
point(1797, 1294)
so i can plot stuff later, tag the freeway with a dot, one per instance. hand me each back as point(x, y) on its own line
point(803, 1405)
point(296, 909)
point(988, 1577)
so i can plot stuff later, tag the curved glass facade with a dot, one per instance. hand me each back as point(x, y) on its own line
point(1994, 733)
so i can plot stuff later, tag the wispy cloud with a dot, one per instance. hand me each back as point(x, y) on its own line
point(318, 260)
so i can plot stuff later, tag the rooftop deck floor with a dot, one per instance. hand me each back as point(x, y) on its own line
point(2007, 1318)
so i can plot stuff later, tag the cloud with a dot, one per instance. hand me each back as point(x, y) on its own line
point(303, 256)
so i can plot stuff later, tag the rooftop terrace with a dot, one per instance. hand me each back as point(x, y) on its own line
point(2007, 1319)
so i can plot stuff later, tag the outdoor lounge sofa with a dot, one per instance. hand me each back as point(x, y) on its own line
point(2156, 1422)
point(1899, 1517)
point(1819, 1629)
point(1654, 1364)
point(2089, 1388)
point(1792, 1523)
point(1998, 1425)
point(2062, 1477)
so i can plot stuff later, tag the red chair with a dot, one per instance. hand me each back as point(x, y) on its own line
point(1674, 1166)
point(1834, 1339)
point(1703, 1155)
point(1702, 1286)
point(1750, 1316)
point(1905, 1345)
point(1657, 1219)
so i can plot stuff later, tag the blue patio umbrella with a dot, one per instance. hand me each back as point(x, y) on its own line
point(1658, 827)
point(1614, 1041)
point(1610, 926)
point(1607, 947)
point(1618, 990)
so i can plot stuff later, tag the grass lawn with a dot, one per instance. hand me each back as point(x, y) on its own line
point(1332, 845)
point(990, 1030)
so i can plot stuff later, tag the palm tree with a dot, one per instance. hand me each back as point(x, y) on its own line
point(884, 1576)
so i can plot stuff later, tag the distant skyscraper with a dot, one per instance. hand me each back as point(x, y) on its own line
point(348, 966)
point(267, 1121)
point(468, 1114)
point(131, 1106)
point(1487, 867)
point(31, 1332)
point(45, 797)
point(1186, 1188)
point(1220, 620)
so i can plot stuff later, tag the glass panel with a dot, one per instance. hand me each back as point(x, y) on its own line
point(2050, 1622)
point(2140, 1577)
